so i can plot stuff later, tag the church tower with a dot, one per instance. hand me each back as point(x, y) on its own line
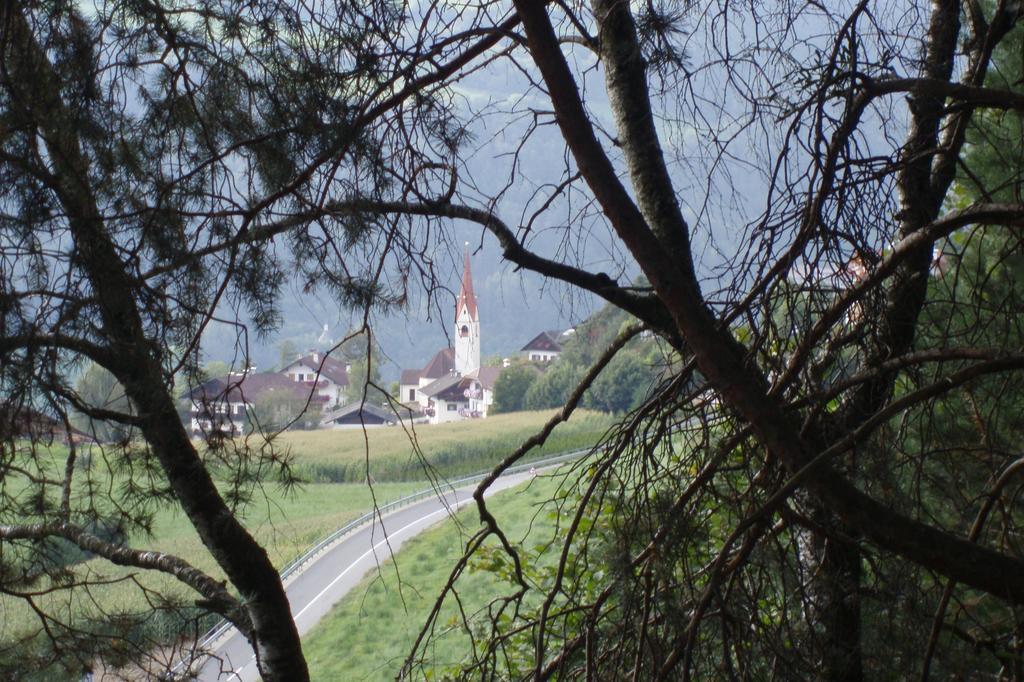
point(467, 325)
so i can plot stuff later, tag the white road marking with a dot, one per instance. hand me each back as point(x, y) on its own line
point(387, 538)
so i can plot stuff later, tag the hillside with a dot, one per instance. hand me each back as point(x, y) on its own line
point(623, 384)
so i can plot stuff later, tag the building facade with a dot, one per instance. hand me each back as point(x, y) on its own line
point(544, 347)
point(325, 375)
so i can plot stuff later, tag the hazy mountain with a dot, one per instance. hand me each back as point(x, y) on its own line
point(514, 306)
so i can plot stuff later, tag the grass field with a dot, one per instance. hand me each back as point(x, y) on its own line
point(454, 449)
point(369, 633)
point(287, 524)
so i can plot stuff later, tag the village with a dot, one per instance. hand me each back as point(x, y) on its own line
point(452, 385)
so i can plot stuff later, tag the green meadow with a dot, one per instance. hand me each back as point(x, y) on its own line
point(371, 630)
point(285, 524)
point(333, 466)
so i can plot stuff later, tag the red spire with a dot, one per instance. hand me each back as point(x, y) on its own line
point(466, 296)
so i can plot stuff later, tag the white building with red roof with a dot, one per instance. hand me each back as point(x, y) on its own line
point(321, 373)
point(412, 380)
point(544, 347)
point(452, 385)
point(222, 405)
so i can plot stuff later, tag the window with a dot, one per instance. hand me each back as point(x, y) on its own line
point(464, 332)
point(452, 407)
point(412, 394)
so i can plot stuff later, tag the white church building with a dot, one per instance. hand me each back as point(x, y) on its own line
point(453, 386)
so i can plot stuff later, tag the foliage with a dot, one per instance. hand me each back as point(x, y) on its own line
point(510, 388)
point(151, 155)
point(552, 388)
point(215, 369)
point(286, 350)
point(364, 382)
point(837, 413)
point(624, 384)
point(275, 410)
point(796, 494)
point(362, 354)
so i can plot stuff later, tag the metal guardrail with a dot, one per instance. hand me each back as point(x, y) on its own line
point(296, 565)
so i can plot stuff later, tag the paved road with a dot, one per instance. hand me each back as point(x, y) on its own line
point(313, 591)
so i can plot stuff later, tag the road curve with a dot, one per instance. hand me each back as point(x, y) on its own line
point(314, 590)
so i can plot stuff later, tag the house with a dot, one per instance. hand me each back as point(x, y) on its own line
point(327, 375)
point(447, 399)
point(482, 389)
point(223, 404)
point(544, 347)
point(359, 414)
point(38, 427)
point(455, 396)
point(412, 380)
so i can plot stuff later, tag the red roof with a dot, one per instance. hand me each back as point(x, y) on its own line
point(466, 298)
point(440, 365)
point(248, 388)
point(545, 341)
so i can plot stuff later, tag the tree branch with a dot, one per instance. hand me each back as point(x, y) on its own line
point(723, 361)
point(215, 595)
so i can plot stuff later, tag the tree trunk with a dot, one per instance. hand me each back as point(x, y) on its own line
point(834, 618)
point(36, 100)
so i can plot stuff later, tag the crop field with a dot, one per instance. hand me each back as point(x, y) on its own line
point(454, 449)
